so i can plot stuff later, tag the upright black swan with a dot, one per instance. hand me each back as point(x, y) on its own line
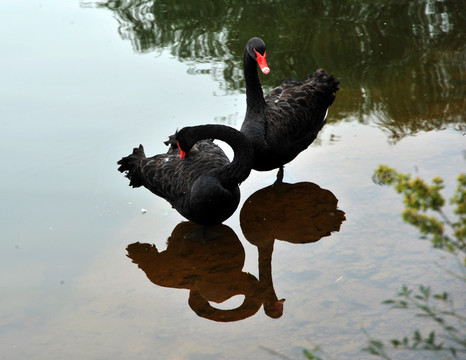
point(287, 120)
point(198, 180)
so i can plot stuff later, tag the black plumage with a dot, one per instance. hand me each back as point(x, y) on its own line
point(288, 119)
point(203, 186)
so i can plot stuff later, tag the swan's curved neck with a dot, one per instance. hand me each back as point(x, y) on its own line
point(240, 167)
point(254, 95)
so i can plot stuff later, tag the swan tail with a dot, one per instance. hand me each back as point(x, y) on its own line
point(324, 84)
point(131, 164)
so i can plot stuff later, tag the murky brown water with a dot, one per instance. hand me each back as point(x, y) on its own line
point(82, 85)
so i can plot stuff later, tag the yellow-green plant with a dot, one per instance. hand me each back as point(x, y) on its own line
point(437, 307)
point(423, 202)
point(424, 207)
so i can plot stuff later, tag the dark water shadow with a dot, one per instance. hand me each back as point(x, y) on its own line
point(210, 269)
point(402, 65)
point(298, 213)
point(209, 261)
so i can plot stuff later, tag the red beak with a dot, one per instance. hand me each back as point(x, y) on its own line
point(182, 153)
point(262, 62)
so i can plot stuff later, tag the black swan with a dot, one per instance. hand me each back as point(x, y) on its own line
point(287, 120)
point(198, 180)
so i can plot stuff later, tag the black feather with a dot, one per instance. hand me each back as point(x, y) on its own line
point(288, 119)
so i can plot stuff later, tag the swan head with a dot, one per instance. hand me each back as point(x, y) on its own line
point(186, 138)
point(274, 308)
point(182, 143)
point(256, 49)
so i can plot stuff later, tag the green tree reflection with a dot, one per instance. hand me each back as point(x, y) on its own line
point(402, 63)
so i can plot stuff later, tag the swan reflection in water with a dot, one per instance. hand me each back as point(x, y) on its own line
point(297, 213)
point(212, 270)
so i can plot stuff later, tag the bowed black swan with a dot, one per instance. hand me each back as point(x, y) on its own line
point(288, 119)
point(198, 180)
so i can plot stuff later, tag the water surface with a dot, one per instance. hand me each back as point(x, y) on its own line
point(82, 84)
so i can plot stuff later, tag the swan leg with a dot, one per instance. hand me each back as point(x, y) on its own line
point(279, 176)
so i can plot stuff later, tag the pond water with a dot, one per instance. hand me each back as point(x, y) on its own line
point(83, 83)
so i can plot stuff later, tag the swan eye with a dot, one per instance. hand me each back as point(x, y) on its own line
point(258, 54)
